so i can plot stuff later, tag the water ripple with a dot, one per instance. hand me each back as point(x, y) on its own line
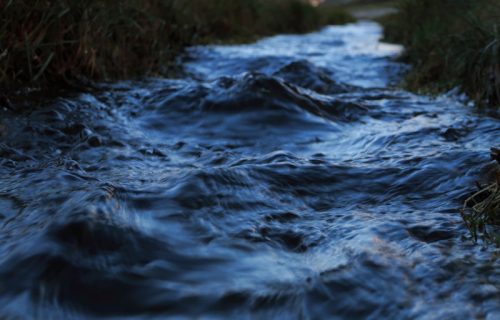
point(281, 179)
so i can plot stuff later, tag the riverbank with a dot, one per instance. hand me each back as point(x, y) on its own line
point(367, 10)
point(450, 44)
point(48, 44)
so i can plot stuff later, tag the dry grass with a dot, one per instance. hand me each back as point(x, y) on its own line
point(481, 211)
point(55, 42)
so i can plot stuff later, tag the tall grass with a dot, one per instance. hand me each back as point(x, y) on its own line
point(47, 42)
point(65, 40)
point(451, 43)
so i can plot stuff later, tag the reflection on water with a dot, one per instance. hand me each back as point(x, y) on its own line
point(282, 179)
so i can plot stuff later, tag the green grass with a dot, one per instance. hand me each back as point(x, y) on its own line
point(450, 43)
point(47, 43)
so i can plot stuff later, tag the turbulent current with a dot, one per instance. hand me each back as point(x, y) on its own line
point(285, 179)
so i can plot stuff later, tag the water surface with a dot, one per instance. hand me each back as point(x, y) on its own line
point(284, 179)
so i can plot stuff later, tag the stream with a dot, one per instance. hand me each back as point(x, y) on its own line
point(285, 179)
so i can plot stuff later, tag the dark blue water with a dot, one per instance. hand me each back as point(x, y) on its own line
point(286, 179)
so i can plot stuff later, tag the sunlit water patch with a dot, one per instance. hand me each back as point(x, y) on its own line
point(281, 179)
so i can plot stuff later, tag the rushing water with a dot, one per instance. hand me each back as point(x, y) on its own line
point(281, 179)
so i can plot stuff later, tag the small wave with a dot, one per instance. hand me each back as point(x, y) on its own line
point(263, 187)
point(306, 75)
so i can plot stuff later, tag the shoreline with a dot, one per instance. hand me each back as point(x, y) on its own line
point(68, 43)
point(461, 49)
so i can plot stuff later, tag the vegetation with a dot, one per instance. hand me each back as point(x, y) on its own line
point(46, 42)
point(450, 43)
point(481, 211)
point(454, 43)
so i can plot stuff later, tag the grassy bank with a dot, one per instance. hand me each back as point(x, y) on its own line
point(55, 42)
point(450, 43)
